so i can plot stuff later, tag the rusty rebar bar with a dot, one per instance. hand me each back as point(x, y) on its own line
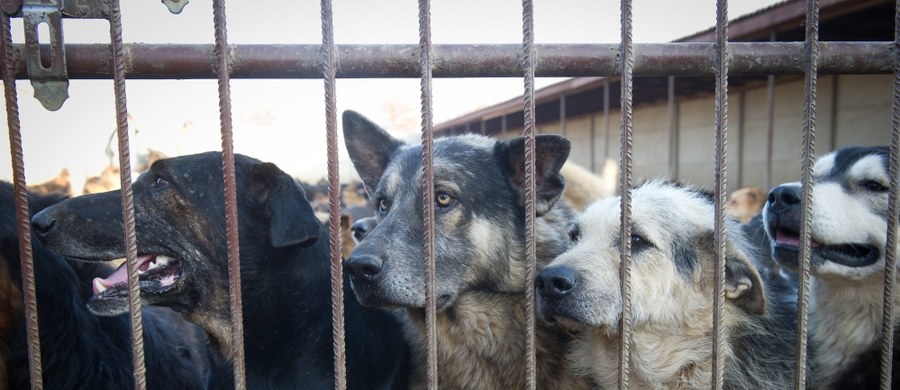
point(329, 67)
point(720, 193)
point(425, 69)
point(528, 66)
point(222, 55)
point(23, 218)
point(127, 195)
point(197, 61)
point(806, 179)
point(626, 149)
point(890, 256)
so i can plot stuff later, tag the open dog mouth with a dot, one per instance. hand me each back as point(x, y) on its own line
point(157, 274)
point(851, 255)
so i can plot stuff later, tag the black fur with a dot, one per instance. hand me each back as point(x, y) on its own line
point(846, 157)
point(285, 274)
point(78, 349)
point(865, 372)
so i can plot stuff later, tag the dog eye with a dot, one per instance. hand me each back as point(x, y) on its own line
point(638, 242)
point(382, 206)
point(574, 233)
point(442, 199)
point(873, 186)
point(161, 183)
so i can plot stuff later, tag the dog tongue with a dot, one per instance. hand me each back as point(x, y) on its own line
point(787, 239)
point(120, 275)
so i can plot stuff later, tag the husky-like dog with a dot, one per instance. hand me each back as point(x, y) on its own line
point(480, 261)
point(673, 274)
point(849, 223)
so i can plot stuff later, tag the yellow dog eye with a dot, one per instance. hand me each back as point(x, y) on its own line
point(382, 206)
point(443, 200)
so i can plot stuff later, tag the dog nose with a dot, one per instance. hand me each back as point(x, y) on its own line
point(43, 223)
point(362, 228)
point(555, 282)
point(784, 197)
point(365, 267)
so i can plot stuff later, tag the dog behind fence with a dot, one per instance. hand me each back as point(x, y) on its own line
point(624, 60)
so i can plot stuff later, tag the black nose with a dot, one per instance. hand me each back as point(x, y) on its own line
point(555, 282)
point(365, 267)
point(784, 197)
point(43, 223)
point(362, 228)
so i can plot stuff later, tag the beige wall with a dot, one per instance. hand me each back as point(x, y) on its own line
point(862, 117)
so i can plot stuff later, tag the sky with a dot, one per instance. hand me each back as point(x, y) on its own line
point(283, 121)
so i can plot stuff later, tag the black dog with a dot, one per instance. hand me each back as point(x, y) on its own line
point(80, 350)
point(284, 270)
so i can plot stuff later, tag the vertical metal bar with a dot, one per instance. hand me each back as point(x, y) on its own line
point(593, 142)
point(562, 115)
point(673, 131)
point(23, 225)
point(426, 67)
point(890, 260)
point(503, 125)
point(721, 194)
point(483, 129)
point(833, 121)
point(223, 54)
point(809, 139)
point(530, 254)
point(134, 287)
point(770, 124)
point(770, 129)
point(626, 99)
point(329, 70)
point(742, 136)
point(606, 121)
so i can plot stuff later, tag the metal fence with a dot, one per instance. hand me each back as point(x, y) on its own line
point(626, 60)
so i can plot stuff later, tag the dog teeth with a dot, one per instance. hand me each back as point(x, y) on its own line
point(160, 261)
point(98, 286)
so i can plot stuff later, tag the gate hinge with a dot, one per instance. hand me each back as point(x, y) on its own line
point(48, 75)
point(175, 6)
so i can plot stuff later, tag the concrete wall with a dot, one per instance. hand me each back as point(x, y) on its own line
point(851, 110)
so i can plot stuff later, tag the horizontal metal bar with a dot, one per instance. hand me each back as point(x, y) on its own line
point(167, 61)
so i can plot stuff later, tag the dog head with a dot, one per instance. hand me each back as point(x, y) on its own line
point(672, 269)
point(180, 224)
point(745, 203)
point(849, 215)
point(479, 206)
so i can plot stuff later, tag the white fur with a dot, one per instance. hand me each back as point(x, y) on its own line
point(671, 344)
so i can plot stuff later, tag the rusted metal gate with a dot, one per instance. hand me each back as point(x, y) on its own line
point(625, 60)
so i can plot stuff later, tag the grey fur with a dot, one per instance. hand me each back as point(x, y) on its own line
point(479, 252)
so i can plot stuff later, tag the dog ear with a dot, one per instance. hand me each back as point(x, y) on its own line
point(346, 221)
point(291, 218)
point(369, 146)
point(551, 151)
point(743, 285)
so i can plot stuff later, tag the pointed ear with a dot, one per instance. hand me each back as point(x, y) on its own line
point(743, 285)
point(551, 152)
point(291, 218)
point(346, 221)
point(369, 146)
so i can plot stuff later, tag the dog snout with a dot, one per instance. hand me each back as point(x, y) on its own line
point(364, 267)
point(362, 228)
point(556, 282)
point(783, 197)
point(43, 224)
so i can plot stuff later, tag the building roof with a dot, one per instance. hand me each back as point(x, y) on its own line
point(840, 20)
